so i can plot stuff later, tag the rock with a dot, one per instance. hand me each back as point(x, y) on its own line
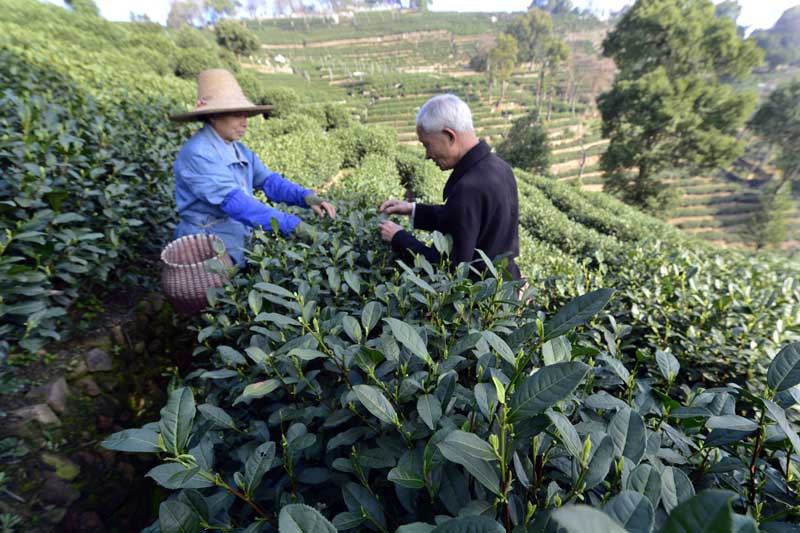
point(54, 394)
point(39, 412)
point(106, 406)
point(65, 469)
point(88, 386)
point(97, 360)
point(55, 491)
point(55, 515)
point(127, 471)
point(146, 308)
point(102, 342)
point(111, 495)
point(104, 423)
point(90, 522)
point(142, 322)
point(79, 368)
point(157, 301)
point(87, 459)
point(118, 335)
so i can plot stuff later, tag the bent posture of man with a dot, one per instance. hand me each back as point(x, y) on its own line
point(481, 209)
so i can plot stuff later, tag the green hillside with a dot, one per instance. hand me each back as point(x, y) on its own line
point(639, 376)
point(388, 74)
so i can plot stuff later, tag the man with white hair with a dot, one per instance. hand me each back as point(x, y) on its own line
point(480, 210)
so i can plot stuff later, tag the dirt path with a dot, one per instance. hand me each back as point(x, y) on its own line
point(379, 39)
point(721, 205)
point(579, 148)
point(333, 180)
point(703, 218)
point(574, 164)
point(570, 179)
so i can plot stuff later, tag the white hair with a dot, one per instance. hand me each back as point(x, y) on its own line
point(445, 111)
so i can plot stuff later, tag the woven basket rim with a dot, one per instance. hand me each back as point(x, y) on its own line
point(176, 242)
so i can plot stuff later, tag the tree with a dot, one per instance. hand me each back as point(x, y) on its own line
point(732, 10)
point(254, 6)
point(234, 36)
point(526, 145)
point(215, 9)
point(782, 42)
point(183, 13)
point(557, 53)
point(555, 7)
point(668, 107)
point(84, 7)
point(538, 45)
point(728, 8)
point(501, 61)
point(767, 227)
point(533, 31)
point(778, 121)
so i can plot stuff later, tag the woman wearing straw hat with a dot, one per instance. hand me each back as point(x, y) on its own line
point(215, 175)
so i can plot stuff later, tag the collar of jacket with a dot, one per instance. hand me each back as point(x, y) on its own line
point(228, 153)
point(470, 159)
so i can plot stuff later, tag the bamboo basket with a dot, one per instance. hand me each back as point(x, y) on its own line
point(185, 276)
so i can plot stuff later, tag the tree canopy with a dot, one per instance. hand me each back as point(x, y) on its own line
point(533, 31)
point(234, 36)
point(781, 43)
point(778, 121)
point(526, 145)
point(556, 7)
point(669, 107)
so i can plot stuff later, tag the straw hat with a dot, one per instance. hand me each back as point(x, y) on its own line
point(219, 92)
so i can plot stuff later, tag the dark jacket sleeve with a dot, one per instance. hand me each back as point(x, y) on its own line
point(460, 217)
point(407, 246)
point(428, 217)
point(462, 220)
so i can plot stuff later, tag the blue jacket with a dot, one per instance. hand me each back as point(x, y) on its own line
point(209, 174)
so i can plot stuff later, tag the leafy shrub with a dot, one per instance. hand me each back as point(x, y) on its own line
point(307, 156)
point(337, 116)
point(359, 140)
point(395, 397)
point(189, 62)
point(422, 177)
point(291, 123)
point(526, 145)
point(282, 100)
point(85, 188)
point(376, 179)
point(234, 36)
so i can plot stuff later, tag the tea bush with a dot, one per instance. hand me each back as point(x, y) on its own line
point(406, 398)
point(377, 178)
point(85, 189)
point(307, 157)
point(357, 141)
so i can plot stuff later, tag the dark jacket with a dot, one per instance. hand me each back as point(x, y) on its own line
point(481, 211)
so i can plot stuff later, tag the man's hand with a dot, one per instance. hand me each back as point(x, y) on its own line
point(388, 229)
point(396, 207)
point(323, 209)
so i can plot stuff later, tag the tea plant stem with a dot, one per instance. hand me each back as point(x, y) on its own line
point(756, 451)
point(217, 480)
point(257, 508)
point(14, 496)
point(780, 514)
point(577, 488)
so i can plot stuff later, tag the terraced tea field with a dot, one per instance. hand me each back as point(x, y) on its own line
point(385, 77)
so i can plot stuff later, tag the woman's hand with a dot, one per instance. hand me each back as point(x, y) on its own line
point(323, 209)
